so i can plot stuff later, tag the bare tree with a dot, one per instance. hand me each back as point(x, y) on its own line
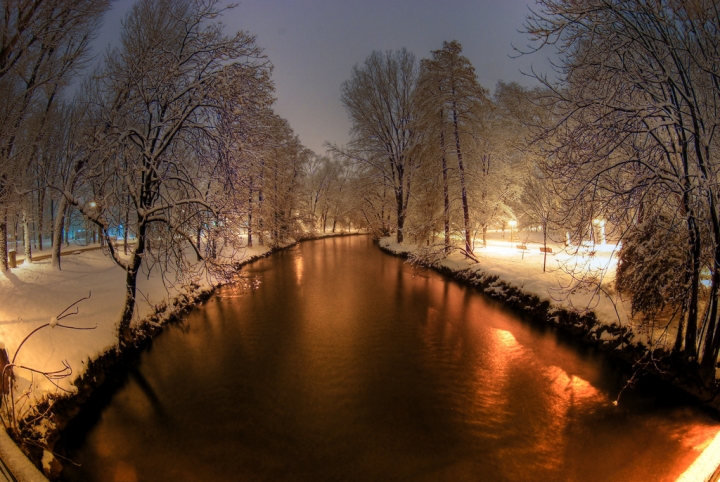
point(157, 106)
point(43, 43)
point(638, 99)
point(378, 98)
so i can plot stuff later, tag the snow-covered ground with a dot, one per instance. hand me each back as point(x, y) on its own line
point(571, 280)
point(576, 277)
point(34, 294)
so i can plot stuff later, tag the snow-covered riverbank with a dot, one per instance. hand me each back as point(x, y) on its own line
point(576, 279)
point(574, 293)
point(33, 295)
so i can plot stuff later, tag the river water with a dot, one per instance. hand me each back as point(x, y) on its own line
point(335, 361)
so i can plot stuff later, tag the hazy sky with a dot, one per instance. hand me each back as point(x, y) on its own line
point(314, 44)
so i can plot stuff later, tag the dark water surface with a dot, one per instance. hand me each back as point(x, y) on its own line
point(338, 362)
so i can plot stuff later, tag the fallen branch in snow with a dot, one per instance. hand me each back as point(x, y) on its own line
point(15, 402)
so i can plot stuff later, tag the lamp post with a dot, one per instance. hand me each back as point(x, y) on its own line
point(92, 227)
point(512, 224)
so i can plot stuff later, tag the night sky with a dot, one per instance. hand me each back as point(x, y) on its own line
point(314, 44)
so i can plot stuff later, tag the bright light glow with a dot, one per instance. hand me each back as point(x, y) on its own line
point(705, 464)
point(512, 223)
point(599, 222)
point(93, 204)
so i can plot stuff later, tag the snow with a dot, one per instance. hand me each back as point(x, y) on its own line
point(35, 294)
point(558, 285)
point(704, 466)
point(16, 461)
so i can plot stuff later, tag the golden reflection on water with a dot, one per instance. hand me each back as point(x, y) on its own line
point(379, 373)
point(124, 472)
point(505, 338)
point(299, 268)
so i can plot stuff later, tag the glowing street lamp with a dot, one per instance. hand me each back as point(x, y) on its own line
point(512, 224)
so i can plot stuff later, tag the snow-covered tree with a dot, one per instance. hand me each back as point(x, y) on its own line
point(452, 105)
point(637, 100)
point(379, 101)
point(43, 43)
point(156, 110)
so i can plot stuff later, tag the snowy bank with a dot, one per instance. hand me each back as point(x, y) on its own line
point(574, 294)
point(584, 306)
point(35, 294)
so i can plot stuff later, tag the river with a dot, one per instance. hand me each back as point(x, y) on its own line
point(335, 361)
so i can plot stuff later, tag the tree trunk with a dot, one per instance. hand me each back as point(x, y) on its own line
point(124, 329)
point(712, 333)
point(126, 228)
point(4, 262)
point(66, 227)
point(463, 190)
point(446, 193)
point(400, 213)
point(39, 223)
point(52, 223)
point(695, 248)
point(544, 228)
point(59, 221)
point(27, 236)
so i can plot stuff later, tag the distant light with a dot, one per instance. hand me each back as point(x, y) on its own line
point(512, 223)
point(599, 222)
point(93, 204)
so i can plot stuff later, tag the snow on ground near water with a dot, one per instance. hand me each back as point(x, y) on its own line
point(32, 294)
point(15, 460)
point(524, 269)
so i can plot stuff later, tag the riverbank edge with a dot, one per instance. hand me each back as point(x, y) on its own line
point(112, 364)
point(582, 327)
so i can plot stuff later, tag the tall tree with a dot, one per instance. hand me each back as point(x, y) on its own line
point(378, 98)
point(158, 107)
point(454, 102)
point(638, 100)
point(42, 45)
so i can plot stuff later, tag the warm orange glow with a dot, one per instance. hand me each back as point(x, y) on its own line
point(506, 339)
point(571, 389)
point(704, 466)
point(124, 472)
point(299, 267)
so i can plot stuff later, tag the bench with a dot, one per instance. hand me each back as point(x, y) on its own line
point(521, 246)
point(545, 250)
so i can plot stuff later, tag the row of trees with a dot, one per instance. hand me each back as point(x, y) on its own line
point(438, 157)
point(170, 149)
point(623, 134)
point(635, 142)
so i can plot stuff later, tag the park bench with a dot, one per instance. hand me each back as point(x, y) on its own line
point(521, 246)
point(545, 250)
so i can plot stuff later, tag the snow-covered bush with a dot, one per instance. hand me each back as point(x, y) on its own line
point(652, 265)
